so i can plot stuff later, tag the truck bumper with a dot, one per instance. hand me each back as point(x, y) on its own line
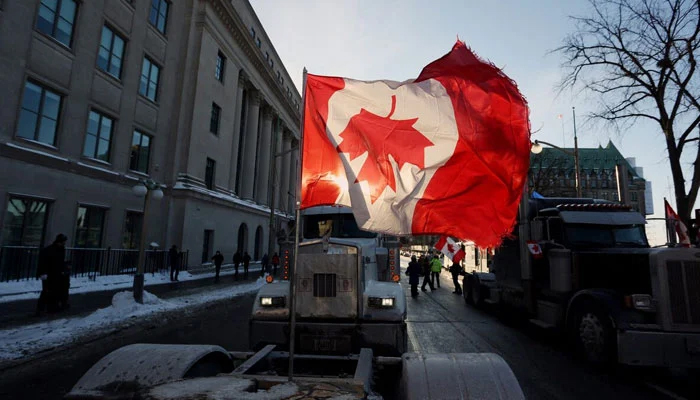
point(667, 349)
point(386, 339)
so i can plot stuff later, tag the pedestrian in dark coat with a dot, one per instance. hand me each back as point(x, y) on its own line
point(455, 270)
point(236, 262)
point(174, 259)
point(413, 271)
point(425, 266)
point(218, 260)
point(264, 264)
point(50, 270)
point(275, 263)
point(246, 263)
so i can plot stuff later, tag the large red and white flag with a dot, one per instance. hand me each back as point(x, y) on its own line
point(448, 247)
point(447, 153)
point(681, 229)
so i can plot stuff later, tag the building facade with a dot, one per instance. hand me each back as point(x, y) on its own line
point(102, 94)
point(552, 174)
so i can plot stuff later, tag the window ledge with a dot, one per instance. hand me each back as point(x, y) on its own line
point(68, 51)
point(109, 76)
point(152, 102)
point(139, 173)
point(158, 32)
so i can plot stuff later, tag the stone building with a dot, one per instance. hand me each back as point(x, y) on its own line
point(552, 174)
point(99, 95)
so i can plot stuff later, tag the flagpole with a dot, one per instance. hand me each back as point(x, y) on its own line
point(297, 204)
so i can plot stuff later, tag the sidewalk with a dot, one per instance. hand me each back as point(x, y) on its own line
point(18, 308)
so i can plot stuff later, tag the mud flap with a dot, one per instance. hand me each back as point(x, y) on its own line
point(457, 376)
point(138, 366)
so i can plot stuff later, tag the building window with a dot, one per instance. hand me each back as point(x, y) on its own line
point(149, 79)
point(159, 14)
point(279, 77)
point(25, 222)
point(633, 196)
point(38, 119)
point(271, 63)
point(267, 56)
point(98, 137)
point(89, 224)
point(109, 57)
point(140, 152)
point(220, 67)
point(258, 43)
point(215, 117)
point(209, 174)
point(132, 230)
point(252, 31)
point(207, 244)
point(56, 19)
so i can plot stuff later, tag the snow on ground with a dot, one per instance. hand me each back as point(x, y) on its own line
point(31, 339)
point(23, 290)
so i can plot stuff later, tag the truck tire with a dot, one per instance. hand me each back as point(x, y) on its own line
point(593, 334)
point(474, 297)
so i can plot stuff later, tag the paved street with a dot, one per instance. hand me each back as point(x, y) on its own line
point(437, 322)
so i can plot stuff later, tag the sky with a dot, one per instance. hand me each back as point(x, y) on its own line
point(395, 39)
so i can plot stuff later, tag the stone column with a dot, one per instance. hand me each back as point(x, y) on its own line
point(293, 174)
point(284, 171)
point(251, 141)
point(278, 130)
point(235, 142)
point(264, 157)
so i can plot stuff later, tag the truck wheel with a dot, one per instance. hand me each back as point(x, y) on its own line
point(594, 335)
point(474, 295)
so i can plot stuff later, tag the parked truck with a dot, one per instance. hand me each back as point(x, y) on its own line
point(585, 268)
point(351, 339)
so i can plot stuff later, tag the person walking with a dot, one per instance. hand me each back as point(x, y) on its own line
point(246, 263)
point(425, 266)
point(218, 260)
point(435, 268)
point(275, 263)
point(413, 271)
point(173, 256)
point(236, 262)
point(50, 268)
point(455, 270)
point(264, 264)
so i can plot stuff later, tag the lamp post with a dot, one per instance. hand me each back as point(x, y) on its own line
point(272, 233)
point(146, 188)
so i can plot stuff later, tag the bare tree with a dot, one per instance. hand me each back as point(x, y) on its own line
point(546, 172)
point(639, 58)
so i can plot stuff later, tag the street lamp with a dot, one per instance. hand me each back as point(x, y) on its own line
point(146, 188)
point(272, 229)
point(537, 149)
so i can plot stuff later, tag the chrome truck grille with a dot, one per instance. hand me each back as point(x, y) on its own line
point(324, 285)
point(683, 279)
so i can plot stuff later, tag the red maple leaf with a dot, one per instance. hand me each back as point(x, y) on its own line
point(381, 137)
point(450, 248)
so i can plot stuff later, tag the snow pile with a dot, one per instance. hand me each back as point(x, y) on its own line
point(220, 388)
point(23, 290)
point(32, 339)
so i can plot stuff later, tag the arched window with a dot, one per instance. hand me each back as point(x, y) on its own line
point(242, 238)
point(258, 243)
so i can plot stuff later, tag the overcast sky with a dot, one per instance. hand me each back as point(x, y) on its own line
point(395, 39)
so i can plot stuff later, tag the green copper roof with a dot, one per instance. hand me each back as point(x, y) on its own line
point(600, 158)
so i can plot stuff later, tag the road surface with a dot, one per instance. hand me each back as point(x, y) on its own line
point(437, 322)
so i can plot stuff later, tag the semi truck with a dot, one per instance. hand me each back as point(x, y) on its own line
point(351, 340)
point(584, 267)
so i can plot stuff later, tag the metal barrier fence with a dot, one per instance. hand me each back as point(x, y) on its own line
point(20, 262)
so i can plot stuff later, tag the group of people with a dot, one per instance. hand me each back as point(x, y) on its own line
point(54, 272)
point(244, 258)
point(429, 266)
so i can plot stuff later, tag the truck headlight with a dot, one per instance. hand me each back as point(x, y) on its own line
point(272, 301)
point(642, 302)
point(381, 302)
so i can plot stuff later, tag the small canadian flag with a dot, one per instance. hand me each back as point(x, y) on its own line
point(535, 249)
point(448, 247)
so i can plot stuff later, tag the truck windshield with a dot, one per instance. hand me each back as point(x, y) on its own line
point(338, 225)
point(606, 236)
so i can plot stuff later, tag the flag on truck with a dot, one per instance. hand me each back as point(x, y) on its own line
point(447, 153)
point(450, 248)
point(676, 223)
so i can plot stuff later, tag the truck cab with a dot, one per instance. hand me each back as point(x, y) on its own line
point(595, 277)
point(348, 294)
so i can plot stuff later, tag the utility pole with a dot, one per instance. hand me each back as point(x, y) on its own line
point(576, 158)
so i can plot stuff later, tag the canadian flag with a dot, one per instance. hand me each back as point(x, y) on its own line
point(448, 247)
point(447, 153)
point(679, 226)
point(535, 249)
